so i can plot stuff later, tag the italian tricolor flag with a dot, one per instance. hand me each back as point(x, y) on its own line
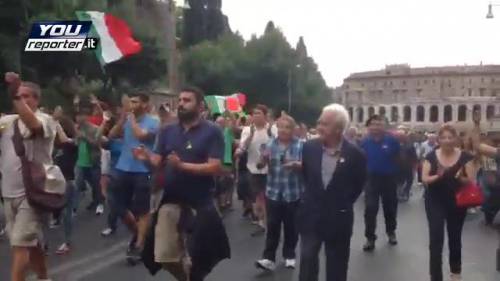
point(221, 104)
point(115, 37)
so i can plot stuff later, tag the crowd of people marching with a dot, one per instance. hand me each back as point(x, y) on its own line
point(170, 174)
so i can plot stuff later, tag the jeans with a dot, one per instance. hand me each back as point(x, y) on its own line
point(279, 213)
point(385, 187)
point(113, 216)
point(491, 205)
point(68, 210)
point(405, 184)
point(437, 215)
point(91, 175)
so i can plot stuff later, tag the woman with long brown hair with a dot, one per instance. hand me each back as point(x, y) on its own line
point(444, 171)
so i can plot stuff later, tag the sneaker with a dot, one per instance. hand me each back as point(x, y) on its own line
point(107, 232)
point(134, 256)
point(472, 211)
point(259, 231)
point(99, 210)
point(54, 224)
point(131, 244)
point(290, 263)
point(265, 264)
point(369, 246)
point(63, 249)
point(455, 277)
point(393, 240)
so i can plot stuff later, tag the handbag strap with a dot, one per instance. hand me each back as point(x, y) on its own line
point(18, 141)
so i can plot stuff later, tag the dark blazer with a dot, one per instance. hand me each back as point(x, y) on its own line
point(329, 210)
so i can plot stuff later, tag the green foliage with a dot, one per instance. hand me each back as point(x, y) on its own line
point(214, 58)
point(262, 68)
point(203, 21)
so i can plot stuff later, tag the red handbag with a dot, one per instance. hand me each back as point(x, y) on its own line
point(469, 196)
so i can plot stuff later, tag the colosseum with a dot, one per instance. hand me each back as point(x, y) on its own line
point(424, 98)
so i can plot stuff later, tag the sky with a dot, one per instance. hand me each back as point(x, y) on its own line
point(345, 36)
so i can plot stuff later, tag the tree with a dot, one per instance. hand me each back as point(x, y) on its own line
point(259, 68)
point(204, 21)
point(69, 72)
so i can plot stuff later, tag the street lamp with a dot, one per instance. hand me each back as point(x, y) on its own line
point(490, 15)
point(490, 11)
point(290, 88)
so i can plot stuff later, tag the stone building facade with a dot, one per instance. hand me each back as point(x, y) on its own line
point(424, 98)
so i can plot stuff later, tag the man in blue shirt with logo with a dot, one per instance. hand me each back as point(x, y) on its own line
point(382, 151)
point(131, 187)
point(190, 152)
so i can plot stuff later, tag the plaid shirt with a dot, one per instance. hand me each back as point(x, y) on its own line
point(283, 184)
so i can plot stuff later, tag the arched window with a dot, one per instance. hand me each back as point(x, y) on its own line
point(381, 111)
point(361, 115)
point(462, 113)
point(350, 113)
point(434, 113)
point(476, 112)
point(490, 111)
point(407, 114)
point(420, 113)
point(394, 114)
point(448, 113)
point(371, 111)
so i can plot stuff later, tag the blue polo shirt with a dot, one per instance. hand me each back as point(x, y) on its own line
point(127, 161)
point(381, 156)
point(196, 146)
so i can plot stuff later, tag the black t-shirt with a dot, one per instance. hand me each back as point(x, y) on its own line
point(195, 146)
point(444, 189)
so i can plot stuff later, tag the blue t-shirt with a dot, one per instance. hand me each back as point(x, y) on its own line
point(115, 147)
point(381, 156)
point(195, 146)
point(127, 162)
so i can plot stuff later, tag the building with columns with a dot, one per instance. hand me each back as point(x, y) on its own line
point(424, 98)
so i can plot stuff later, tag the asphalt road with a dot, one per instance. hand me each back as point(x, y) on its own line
point(95, 258)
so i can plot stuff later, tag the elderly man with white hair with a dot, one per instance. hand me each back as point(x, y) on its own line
point(334, 173)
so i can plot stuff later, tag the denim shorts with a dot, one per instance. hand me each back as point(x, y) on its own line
point(130, 192)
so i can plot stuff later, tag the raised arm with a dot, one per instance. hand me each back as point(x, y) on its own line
point(25, 113)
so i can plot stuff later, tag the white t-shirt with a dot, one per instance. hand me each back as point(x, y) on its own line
point(426, 148)
point(105, 162)
point(39, 149)
point(260, 137)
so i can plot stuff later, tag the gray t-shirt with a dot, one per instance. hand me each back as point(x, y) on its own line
point(38, 148)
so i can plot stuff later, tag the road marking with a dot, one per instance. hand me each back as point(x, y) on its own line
point(89, 259)
point(98, 266)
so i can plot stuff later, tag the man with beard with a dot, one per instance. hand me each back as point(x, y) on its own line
point(131, 188)
point(191, 152)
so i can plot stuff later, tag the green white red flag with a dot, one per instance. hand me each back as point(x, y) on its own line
point(115, 37)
